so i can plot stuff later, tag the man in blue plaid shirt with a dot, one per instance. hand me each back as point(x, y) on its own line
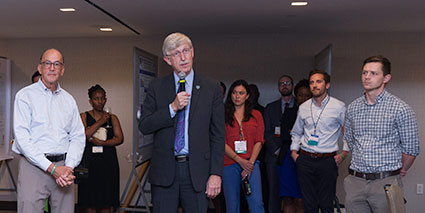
point(381, 131)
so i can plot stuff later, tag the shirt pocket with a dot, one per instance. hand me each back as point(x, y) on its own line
point(232, 134)
point(308, 121)
point(250, 130)
point(329, 122)
point(63, 113)
point(39, 117)
point(382, 126)
point(65, 120)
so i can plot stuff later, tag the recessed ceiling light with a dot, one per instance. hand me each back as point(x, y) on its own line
point(299, 3)
point(105, 29)
point(70, 9)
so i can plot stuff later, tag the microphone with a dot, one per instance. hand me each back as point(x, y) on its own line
point(182, 81)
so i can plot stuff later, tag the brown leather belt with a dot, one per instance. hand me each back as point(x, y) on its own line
point(373, 176)
point(181, 158)
point(318, 155)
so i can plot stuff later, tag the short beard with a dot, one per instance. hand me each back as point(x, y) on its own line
point(318, 94)
point(286, 93)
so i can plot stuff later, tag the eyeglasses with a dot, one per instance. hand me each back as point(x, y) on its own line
point(283, 83)
point(177, 54)
point(48, 64)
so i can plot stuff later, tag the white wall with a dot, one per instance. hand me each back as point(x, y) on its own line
point(258, 58)
point(2, 46)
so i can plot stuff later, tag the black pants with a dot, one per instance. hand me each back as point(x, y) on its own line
point(166, 199)
point(274, 203)
point(317, 178)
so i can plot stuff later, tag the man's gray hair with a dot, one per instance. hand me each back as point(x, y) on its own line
point(174, 40)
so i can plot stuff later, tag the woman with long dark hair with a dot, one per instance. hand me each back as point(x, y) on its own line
point(244, 139)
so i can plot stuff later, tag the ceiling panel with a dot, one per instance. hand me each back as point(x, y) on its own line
point(42, 18)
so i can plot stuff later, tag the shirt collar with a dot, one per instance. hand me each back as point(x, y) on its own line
point(378, 98)
point(291, 102)
point(189, 78)
point(44, 88)
point(324, 102)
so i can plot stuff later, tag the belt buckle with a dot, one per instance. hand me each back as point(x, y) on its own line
point(383, 175)
point(181, 158)
point(313, 155)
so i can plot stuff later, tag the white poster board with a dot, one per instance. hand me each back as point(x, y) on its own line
point(145, 70)
point(5, 99)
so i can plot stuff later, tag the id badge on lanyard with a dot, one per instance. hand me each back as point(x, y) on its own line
point(313, 140)
point(240, 145)
point(277, 131)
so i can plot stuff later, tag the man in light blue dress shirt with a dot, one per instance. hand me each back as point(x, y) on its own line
point(315, 136)
point(49, 135)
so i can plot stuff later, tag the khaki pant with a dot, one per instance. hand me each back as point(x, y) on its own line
point(35, 185)
point(367, 195)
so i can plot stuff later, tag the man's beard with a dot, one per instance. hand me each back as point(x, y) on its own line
point(286, 92)
point(317, 93)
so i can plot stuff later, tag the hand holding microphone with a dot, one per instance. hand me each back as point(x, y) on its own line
point(182, 97)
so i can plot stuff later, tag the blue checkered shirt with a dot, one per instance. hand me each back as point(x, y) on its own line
point(379, 133)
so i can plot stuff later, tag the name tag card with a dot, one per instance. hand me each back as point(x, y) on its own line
point(313, 140)
point(240, 147)
point(97, 149)
point(277, 131)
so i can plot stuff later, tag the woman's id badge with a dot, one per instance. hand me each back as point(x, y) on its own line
point(240, 147)
point(313, 140)
point(97, 149)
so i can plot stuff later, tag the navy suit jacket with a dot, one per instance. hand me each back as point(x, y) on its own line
point(206, 130)
point(272, 118)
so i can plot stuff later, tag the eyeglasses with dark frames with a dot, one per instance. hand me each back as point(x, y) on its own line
point(283, 83)
point(48, 64)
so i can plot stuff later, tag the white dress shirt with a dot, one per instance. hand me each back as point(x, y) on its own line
point(328, 125)
point(47, 123)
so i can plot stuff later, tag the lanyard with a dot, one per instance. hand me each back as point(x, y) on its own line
point(241, 136)
point(318, 118)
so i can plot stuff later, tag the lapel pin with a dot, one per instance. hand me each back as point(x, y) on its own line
point(198, 86)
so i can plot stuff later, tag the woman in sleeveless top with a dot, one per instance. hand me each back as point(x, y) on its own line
point(100, 192)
